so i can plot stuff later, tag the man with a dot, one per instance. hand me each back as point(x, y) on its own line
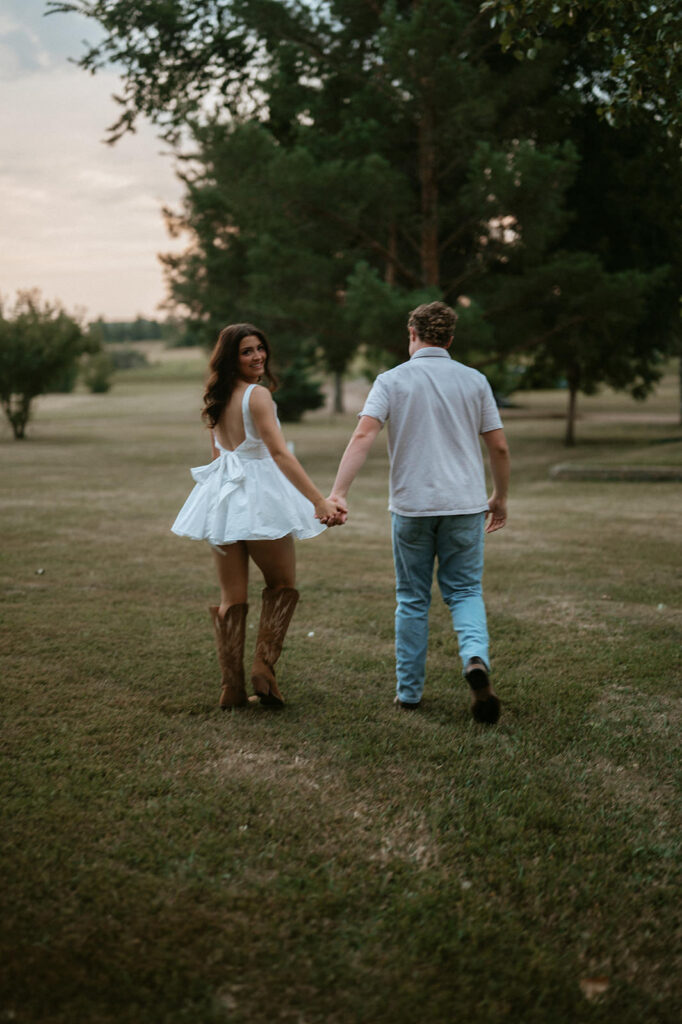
point(436, 409)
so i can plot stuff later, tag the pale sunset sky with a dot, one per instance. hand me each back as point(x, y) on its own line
point(79, 220)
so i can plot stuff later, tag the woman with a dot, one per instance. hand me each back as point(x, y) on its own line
point(250, 501)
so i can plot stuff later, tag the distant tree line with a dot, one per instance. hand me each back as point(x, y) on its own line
point(345, 160)
point(139, 329)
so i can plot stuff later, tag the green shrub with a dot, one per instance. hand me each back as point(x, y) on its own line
point(297, 393)
point(127, 358)
point(96, 371)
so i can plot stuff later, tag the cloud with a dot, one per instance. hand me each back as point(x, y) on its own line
point(19, 54)
point(31, 40)
point(80, 220)
point(109, 184)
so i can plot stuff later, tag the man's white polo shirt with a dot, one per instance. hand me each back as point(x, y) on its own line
point(436, 408)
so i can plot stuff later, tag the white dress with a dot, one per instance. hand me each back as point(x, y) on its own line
point(243, 495)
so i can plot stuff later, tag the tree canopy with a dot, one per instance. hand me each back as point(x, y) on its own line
point(39, 343)
point(640, 44)
point(376, 109)
point(347, 159)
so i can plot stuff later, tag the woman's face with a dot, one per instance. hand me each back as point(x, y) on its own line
point(252, 358)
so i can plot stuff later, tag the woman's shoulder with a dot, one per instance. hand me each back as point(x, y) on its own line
point(259, 396)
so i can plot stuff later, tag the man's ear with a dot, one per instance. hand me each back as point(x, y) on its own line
point(452, 338)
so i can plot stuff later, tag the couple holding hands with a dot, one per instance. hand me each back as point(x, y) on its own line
point(254, 498)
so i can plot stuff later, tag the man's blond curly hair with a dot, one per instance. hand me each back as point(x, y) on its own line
point(434, 322)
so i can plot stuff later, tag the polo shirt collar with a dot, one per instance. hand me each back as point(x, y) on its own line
point(432, 350)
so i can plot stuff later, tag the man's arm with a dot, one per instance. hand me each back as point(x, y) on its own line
point(354, 457)
point(498, 453)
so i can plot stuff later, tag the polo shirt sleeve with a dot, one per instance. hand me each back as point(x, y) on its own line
point(376, 404)
point(490, 417)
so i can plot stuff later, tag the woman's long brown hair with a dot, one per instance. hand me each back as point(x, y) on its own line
point(224, 369)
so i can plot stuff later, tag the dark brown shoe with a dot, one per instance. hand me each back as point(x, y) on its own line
point(485, 704)
point(405, 705)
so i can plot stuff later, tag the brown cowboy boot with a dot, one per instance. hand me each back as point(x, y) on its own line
point(277, 609)
point(229, 638)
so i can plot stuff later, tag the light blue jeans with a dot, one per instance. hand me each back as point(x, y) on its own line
point(457, 543)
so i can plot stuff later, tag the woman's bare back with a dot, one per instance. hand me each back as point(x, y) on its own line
point(230, 427)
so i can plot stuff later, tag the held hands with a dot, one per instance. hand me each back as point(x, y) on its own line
point(332, 511)
point(496, 516)
point(341, 510)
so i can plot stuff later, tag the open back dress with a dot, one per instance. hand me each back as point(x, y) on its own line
point(243, 495)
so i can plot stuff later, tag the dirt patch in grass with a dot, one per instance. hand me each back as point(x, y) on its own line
point(633, 788)
point(623, 705)
point(567, 612)
point(641, 474)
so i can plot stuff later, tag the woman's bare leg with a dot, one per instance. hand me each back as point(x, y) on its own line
point(232, 565)
point(276, 559)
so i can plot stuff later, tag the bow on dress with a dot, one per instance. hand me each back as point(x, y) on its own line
point(227, 468)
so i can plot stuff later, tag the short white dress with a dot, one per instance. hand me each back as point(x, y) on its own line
point(243, 495)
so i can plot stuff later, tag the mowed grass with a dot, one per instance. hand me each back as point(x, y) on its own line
point(338, 861)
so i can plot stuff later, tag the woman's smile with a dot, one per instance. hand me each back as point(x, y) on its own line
point(252, 357)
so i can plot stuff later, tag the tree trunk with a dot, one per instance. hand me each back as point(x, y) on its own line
point(569, 438)
point(426, 140)
point(17, 416)
point(681, 388)
point(389, 277)
point(338, 392)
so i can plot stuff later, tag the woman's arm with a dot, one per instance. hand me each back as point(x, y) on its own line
point(262, 410)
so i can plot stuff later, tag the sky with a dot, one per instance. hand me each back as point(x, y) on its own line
point(79, 219)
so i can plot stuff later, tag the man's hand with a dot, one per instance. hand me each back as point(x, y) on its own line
point(336, 511)
point(498, 450)
point(496, 516)
point(341, 510)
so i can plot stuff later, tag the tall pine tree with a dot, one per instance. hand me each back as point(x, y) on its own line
point(353, 158)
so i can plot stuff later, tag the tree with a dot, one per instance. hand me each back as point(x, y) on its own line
point(601, 307)
point(251, 260)
point(587, 327)
point(367, 119)
point(636, 221)
point(39, 342)
point(637, 74)
point(640, 44)
point(354, 158)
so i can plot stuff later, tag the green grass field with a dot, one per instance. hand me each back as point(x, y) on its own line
point(338, 861)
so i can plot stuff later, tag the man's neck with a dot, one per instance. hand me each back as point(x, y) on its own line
point(420, 346)
point(416, 344)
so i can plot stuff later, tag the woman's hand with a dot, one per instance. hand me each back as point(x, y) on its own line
point(331, 511)
point(341, 509)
